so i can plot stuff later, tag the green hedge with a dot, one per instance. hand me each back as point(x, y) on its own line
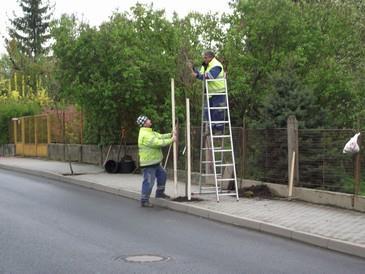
point(10, 109)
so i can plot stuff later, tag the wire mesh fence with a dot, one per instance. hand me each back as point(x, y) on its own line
point(322, 164)
point(66, 127)
point(262, 155)
point(259, 154)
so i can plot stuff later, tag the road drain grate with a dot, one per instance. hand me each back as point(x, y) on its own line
point(142, 258)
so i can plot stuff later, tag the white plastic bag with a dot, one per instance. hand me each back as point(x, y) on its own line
point(351, 146)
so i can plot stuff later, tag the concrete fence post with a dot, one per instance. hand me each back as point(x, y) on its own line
point(357, 169)
point(243, 152)
point(15, 130)
point(49, 140)
point(35, 121)
point(23, 134)
point(292, 130)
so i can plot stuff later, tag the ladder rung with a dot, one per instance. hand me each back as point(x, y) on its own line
point(219, 165)
point(215, 79)
point(219, 122)
point(221, 136)
point(227, 194)
point(210, 162)
point(209, 148)
point(216, 107)
point(214, 192)
point(205, 192)
point(210, 174)
point(215, 122)
point(217, 93)
point(225, 179)
point(208, 187)
point(223, 150)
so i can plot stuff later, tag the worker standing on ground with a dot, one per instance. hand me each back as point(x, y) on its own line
point(213, 69)
point(150, 156)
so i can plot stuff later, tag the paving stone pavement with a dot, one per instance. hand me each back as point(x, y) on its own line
point(329, 227)
point(321, 220)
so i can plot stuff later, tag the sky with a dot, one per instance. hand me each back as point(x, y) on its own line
point(95, 12)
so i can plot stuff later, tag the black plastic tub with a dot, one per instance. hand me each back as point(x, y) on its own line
point(111, 166)
point(126, 166)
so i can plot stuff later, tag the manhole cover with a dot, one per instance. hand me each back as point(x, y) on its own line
point(143, 258)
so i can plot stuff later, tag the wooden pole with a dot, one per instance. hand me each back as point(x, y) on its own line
point(23, 85)
point(49, 129)
point(243, 151)
point(107, 155)
point(167, 156)
point(82, 127)
point(291, 176)
point(188, 146)
point(23, 133)
point(357, 172)
point(35, 119)
point(15, 130)
point(15, 82)
point(293, 146)
point(173, 128)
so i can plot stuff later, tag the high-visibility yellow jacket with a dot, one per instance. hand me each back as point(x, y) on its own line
point(149, 146)
point(214, 86)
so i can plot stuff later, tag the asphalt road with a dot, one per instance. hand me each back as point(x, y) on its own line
point(53, 227)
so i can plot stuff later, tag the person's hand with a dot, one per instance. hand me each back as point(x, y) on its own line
point(193, 74)
point(174, 135)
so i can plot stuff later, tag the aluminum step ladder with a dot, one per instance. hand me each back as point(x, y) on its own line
point(216, 144)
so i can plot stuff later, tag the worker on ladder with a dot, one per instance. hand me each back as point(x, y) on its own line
point(213, 69)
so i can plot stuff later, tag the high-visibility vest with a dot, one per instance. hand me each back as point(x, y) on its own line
point(215, 86)
point(149, 146)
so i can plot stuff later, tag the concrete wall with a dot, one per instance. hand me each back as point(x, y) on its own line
point(7, 150)
point(91, 154)
point(342, 200)
point(56, 152)
point(131, 151)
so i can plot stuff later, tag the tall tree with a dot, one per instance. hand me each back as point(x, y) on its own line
point(313, 49)
point(31, 31)
point(27, 43)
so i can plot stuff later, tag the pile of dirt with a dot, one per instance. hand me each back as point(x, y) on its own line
point(261, 191)
point(185, 199)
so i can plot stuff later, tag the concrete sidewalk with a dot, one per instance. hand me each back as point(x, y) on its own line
point(328, 227)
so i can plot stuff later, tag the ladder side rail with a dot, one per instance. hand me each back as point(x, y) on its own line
point(226, 109)
point(201, 138)
point(224, 129)
point(233, 159)
point(222, 143)
point(211, 141)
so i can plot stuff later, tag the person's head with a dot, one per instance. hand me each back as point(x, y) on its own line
point(208, 56)
point(144, 121)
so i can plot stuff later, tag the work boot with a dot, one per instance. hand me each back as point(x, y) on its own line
point(163, 196)
point(146, 204)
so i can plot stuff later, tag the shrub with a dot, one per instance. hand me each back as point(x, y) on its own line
point(12, 108)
